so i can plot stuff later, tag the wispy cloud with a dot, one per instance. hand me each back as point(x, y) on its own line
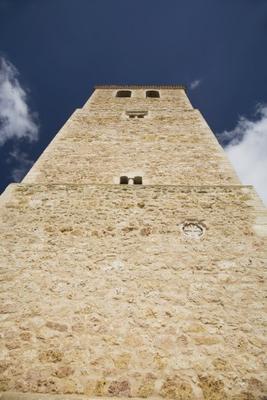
point(16, 119)
point(22, 164)
point(195, 84)
point(247, 150)
point(17, 122)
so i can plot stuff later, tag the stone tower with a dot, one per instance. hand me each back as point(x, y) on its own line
point(132, 260)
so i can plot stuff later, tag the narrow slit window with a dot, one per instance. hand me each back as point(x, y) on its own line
point(152, 93)
point(124, 93)
point(138, 180)
point(136, 114)
point(124, 180)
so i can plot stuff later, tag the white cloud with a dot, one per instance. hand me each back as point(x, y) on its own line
point(16, 120)
point(195, 84)
point(23, 164)
point(247, 150)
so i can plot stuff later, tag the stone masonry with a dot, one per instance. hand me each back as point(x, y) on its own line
point(152, 290)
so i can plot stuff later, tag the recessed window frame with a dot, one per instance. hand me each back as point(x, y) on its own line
point(127, 180)
point(138, 180)
point(152, 94)
point(136, 114)
point(124, 180)
point(124, 93)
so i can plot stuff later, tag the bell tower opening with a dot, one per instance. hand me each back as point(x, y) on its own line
point(123, 93)
point(152, 93)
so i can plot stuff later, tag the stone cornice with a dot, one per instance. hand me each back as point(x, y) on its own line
point(140, 87)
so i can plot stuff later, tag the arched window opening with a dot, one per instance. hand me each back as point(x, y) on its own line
point(138, 180)
point(124, 93)
point(124, 180)
point(152, 93)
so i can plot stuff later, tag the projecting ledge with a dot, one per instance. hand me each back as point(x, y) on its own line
point(140, 87)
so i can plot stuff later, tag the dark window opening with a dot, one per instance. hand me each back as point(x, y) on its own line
point(123, 93)
point(138, 180)
point(152, 93)
point(124, 180)
point(136, 114)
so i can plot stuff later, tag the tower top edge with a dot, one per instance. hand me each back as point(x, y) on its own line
point(140, 87)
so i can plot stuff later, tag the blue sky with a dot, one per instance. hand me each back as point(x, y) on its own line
point(53, 52)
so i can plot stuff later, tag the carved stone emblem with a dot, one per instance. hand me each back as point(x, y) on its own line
point(192, 230)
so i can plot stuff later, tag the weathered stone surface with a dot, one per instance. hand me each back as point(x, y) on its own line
point(169, 303)
point(133, 291)
point(172, 145)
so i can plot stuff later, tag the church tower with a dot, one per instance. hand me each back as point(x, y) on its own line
point(132, 260)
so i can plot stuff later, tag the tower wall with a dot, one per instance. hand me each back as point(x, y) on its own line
point(146, 291)
point(172, 145)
